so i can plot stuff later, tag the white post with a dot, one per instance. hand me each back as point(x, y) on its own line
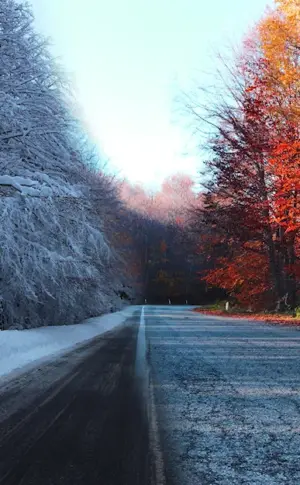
point(169, 301)
point(227, 306)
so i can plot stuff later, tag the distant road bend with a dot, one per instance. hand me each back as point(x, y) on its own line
point(170, 397)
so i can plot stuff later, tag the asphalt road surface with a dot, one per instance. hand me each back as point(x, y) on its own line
point(79, 422)
point(170, 397)
point(227, 398)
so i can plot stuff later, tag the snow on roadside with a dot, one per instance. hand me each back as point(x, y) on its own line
point(18, 348)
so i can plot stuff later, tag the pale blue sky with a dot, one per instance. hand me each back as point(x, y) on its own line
point(129, 58)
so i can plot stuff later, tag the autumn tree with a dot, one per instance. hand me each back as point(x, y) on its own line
point(251, 203)
point(170, 262)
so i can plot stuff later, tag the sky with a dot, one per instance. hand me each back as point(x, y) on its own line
point(128, 61)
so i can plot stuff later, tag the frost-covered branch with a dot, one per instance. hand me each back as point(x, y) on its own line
point(56, 264)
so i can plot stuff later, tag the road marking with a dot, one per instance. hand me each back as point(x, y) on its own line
point(142, 372)
point(140, 359)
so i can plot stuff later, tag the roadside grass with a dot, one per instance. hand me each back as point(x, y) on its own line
point(218, 308)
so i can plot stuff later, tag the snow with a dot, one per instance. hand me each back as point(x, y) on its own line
point(30, 191)
point(56, 265)
point(35, 188)
point(8, 180)
point(18, 348)
point(24, 181)
point(24, 185)
point(45, 192)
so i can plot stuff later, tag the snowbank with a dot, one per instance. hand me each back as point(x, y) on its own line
point(21, 347)
point(44, 186)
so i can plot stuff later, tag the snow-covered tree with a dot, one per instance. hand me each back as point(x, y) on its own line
point(35, 121)
point(56, 265)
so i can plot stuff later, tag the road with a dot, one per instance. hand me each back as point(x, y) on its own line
point(227, 398)
point(169, 398)
point(79, 421)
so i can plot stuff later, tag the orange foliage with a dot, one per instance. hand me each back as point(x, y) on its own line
point(245, 276)
point(169, 204)
point(256, 190)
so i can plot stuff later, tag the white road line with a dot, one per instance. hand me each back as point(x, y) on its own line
point(140, 359)
point(142, 372)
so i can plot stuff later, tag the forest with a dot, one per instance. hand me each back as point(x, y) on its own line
point(76, 241)
point(251, 122)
